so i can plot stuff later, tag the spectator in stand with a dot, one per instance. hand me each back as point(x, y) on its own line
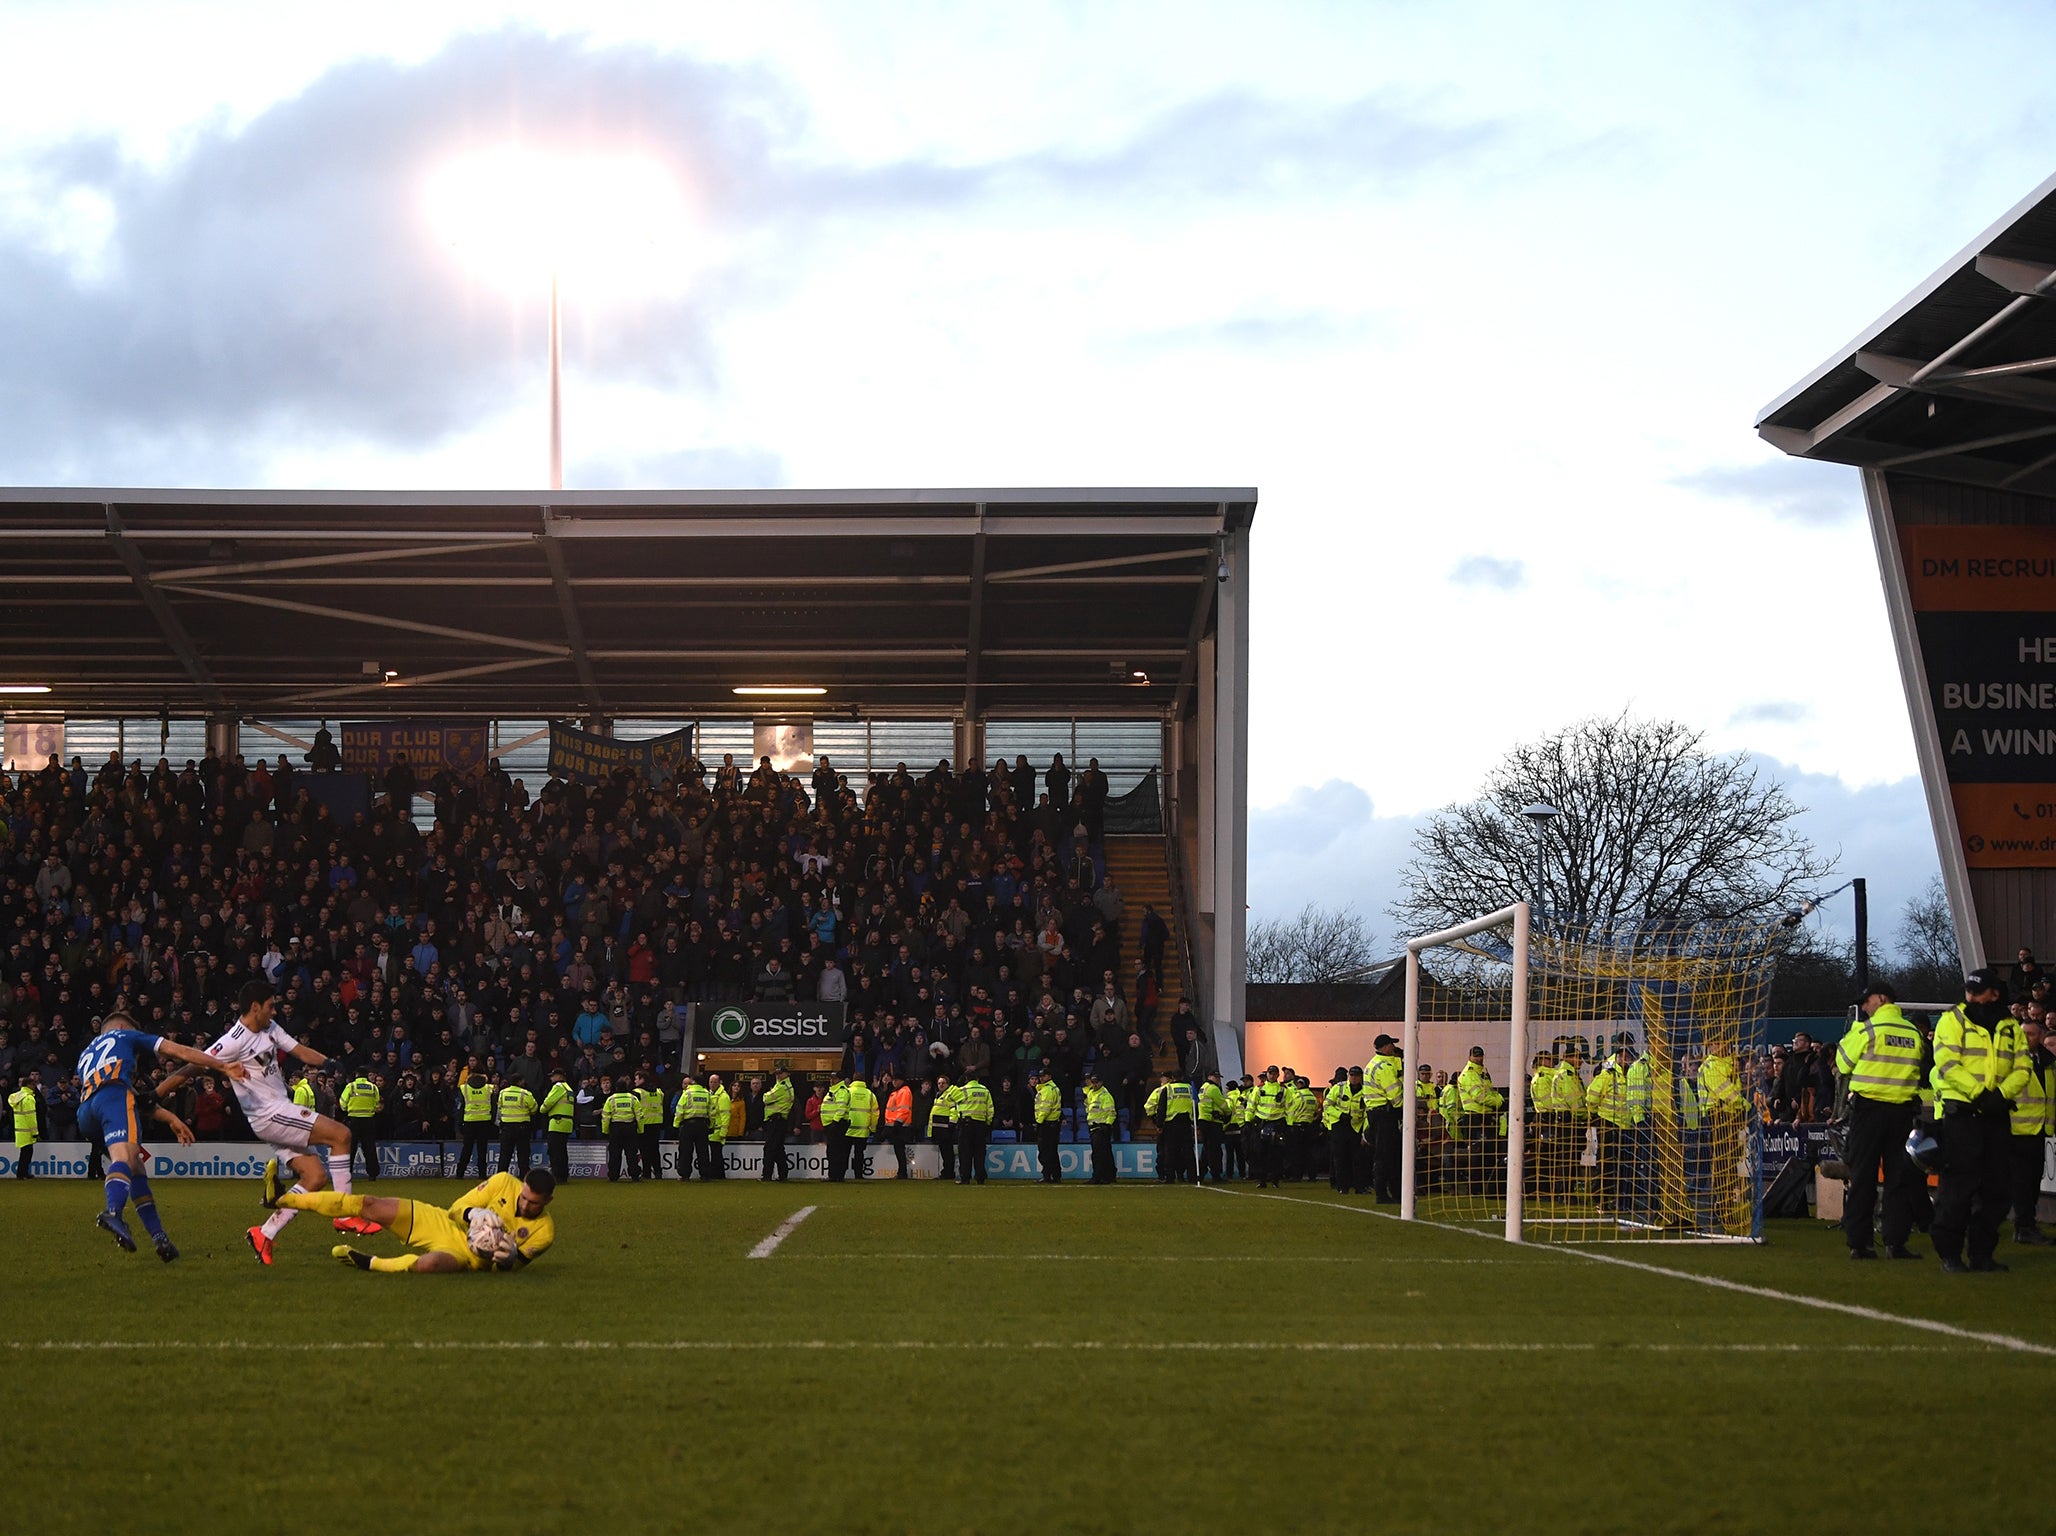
point(810, 1118)
point(1144, 986)
point(208, 1114)
point(773, 984)
point(1183, 1018)
point(1805, 1088)
point(1127, 1071)
point(1057, 782)
point(529, 1070)
point(400, 785)
point(974, 1056)
point(1110, 1016)
point(1156, 937)
point(323, 757)
point(1107, 901)
point(2026, 972)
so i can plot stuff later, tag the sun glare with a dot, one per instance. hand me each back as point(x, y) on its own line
point(610, 224)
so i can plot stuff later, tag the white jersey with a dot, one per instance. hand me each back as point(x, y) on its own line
point(258, 1050)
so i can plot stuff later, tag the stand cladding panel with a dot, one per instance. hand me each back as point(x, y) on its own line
point(1979, 569)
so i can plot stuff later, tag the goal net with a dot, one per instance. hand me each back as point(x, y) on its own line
point(1577, 1084)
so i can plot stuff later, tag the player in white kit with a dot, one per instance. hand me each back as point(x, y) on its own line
point(298, 1135)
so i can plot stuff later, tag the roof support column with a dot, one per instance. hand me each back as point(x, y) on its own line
point(1920, 708)
point(1229, 810)
point(168, 622)
point(567, 610)
point(974, 638)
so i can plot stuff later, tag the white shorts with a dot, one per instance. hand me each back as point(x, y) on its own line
point(286, 1126)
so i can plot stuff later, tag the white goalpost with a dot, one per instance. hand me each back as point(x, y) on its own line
point(1409, 1134)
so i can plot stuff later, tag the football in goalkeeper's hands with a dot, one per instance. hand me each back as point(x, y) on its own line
point(488, 1234)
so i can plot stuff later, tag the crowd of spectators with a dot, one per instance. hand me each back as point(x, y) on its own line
point(1796, 1083)
point(966, 921)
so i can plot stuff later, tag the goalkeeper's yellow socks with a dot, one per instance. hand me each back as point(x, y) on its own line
point(398, 1266)
point(324, 1203)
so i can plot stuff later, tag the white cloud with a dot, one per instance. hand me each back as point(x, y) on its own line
point(1794, 490)
point(1327, 845)
point(1487, 571)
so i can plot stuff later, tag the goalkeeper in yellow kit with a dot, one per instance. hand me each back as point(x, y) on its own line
point(501, 1224)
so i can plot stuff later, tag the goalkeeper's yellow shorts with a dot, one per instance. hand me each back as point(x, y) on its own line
point(434, 1230)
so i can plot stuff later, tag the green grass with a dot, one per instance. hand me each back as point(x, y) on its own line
point(987, 1390)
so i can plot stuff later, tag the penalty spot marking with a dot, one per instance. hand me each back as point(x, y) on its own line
point(980, 1346)
point(1713, 1282)
point(781, 1232)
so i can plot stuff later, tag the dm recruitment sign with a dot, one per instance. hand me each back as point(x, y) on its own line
point(1984, 606)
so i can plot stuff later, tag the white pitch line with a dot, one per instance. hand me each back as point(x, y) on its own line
point(769, 1245)
point(1714, 1282)
point(1155, 1258)
point(981, 1346)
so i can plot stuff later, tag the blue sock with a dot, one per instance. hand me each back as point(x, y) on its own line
point(117, 1188)
point(146, 1203)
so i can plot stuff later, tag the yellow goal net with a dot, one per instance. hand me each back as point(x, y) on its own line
point(1580, 1084)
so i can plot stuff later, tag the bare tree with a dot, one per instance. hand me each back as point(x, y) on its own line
point(1929, 969)
point(1652, 826)
point(1318, 945)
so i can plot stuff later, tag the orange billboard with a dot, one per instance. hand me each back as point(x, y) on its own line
point(1984, 608)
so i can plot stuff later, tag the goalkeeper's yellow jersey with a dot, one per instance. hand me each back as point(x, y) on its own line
point(498, 1194)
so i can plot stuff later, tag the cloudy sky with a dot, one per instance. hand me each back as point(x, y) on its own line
point(1482, 297)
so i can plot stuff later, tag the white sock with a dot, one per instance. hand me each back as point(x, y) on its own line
point(275, 1223)
point(339, 1171)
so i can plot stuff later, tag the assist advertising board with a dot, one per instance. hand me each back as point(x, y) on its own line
point(770, 1028)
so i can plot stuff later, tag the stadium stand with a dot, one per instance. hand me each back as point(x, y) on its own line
point(967, 921)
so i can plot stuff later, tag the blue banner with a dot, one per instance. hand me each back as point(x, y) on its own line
point(1022, 1160)
point(576, 754)
point(1782, 1143)
point(372, 746)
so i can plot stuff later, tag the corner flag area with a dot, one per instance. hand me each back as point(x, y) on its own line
point(913, 1358)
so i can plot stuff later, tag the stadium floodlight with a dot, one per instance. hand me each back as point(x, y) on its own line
point(778, 690)
point(1539, 815)
point(610, 224)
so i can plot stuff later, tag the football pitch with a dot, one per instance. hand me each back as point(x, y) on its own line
point(914, 1357)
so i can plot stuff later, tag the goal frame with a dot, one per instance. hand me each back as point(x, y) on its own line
point(1521, 916)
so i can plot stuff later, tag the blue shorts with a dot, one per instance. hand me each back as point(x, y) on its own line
point(109, 1117)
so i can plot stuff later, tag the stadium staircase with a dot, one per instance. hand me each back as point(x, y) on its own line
point(1142, 871)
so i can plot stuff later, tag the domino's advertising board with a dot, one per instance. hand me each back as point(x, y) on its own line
point(438, 1160)
point(201, 1160)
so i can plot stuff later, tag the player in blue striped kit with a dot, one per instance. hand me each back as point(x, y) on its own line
point(107, 1114)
